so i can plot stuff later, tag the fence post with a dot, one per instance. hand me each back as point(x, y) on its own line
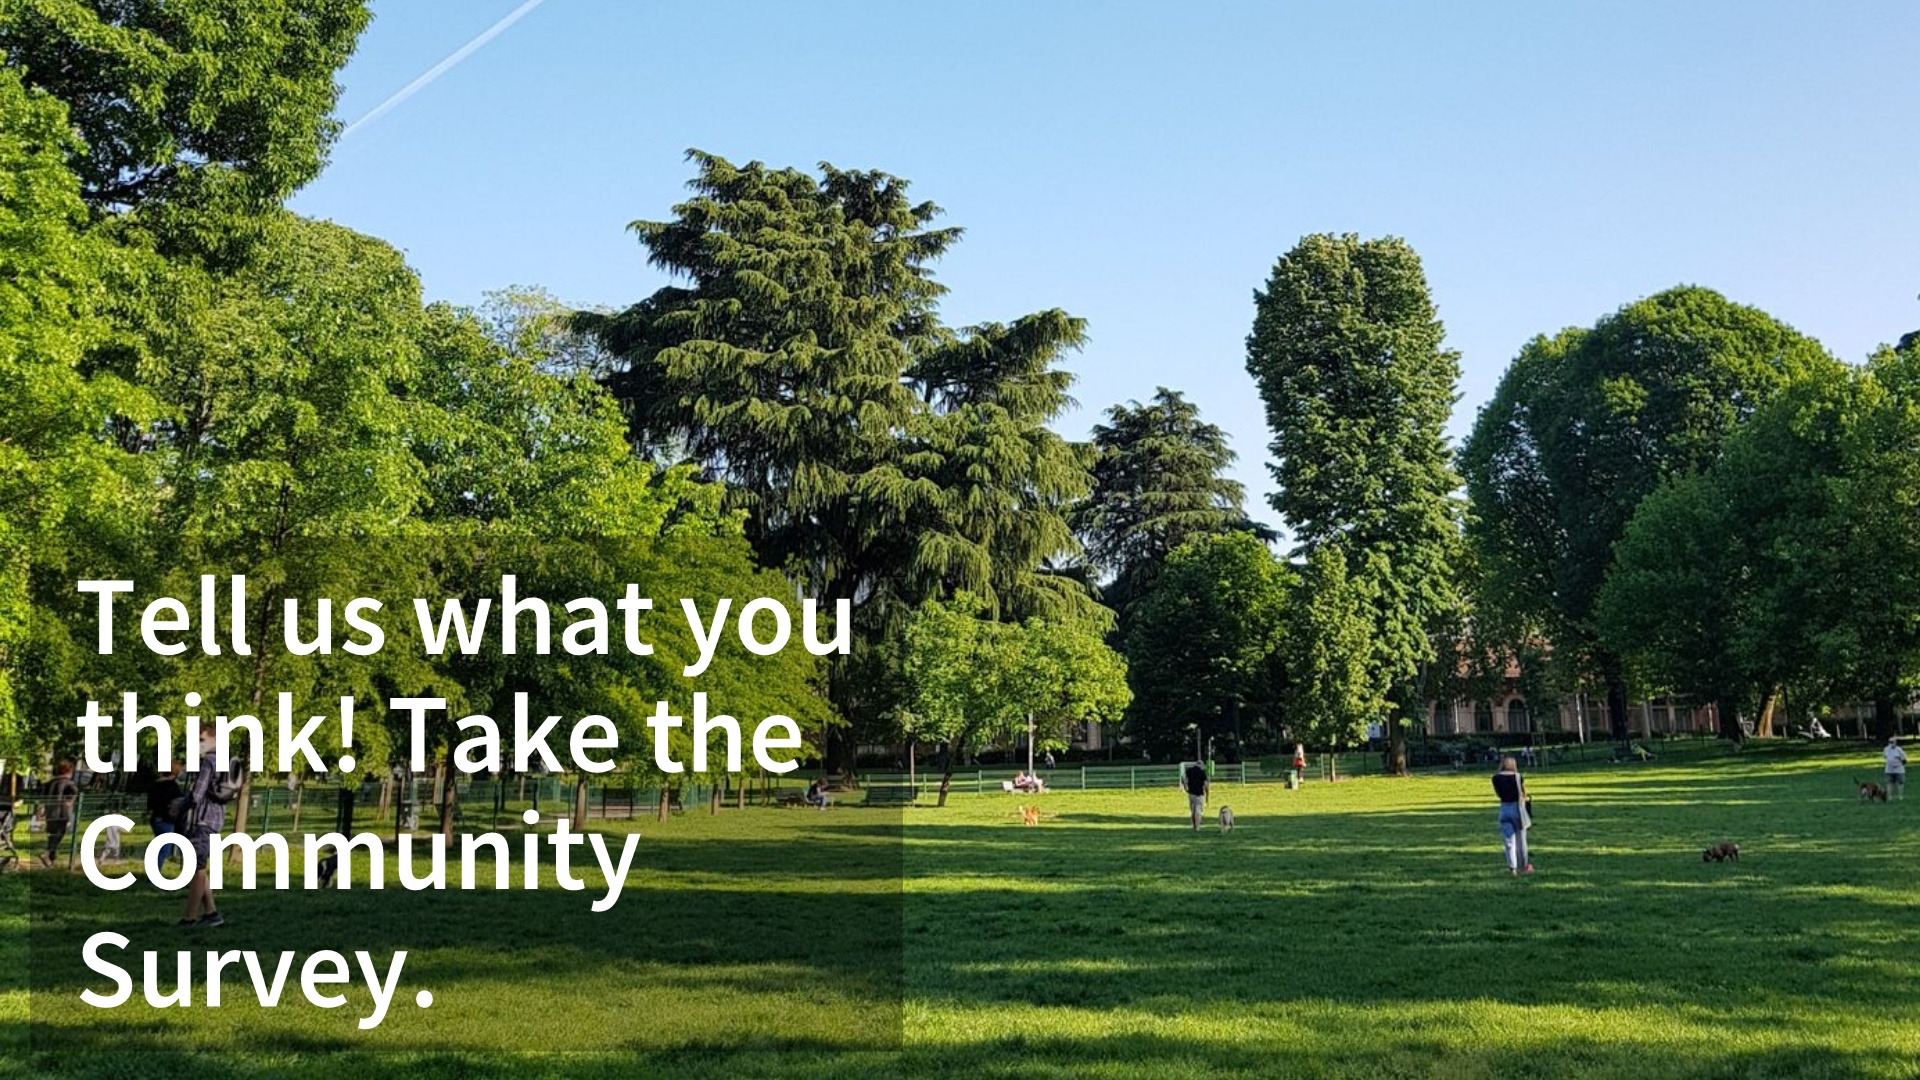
point(1083, 778)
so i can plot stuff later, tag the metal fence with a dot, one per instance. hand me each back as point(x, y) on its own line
point(410, 805)
point(1085, 778)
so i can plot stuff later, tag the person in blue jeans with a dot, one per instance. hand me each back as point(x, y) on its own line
point(1513, 814)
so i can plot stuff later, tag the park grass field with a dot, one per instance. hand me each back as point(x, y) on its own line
point(1359, 929)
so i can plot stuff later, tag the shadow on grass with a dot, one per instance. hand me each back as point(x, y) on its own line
point(757, 941)
point(1133, 1056)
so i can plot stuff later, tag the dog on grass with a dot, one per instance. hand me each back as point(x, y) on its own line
point(1030, 815)
point(1872, 792)
point(1724, 851)
point(1226, 819)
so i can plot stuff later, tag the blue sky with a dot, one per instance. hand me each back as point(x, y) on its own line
point(1142, 165)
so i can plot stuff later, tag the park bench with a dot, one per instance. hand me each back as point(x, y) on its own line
point(891, 794)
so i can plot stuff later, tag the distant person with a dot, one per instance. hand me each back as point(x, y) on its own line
point(1513, 814)
point(1193, 780)
point(1814, 730)
point(1896, 768)
point(1049, 761)
point(59, 803)
point(201, 817)
point(817, 793)
point(1299, 764)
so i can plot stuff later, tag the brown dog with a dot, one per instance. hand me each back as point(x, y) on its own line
point(1872, 792)
point(1721, 852)
point(1030, 815)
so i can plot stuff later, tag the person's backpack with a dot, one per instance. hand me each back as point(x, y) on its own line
point(226, 783)
point(223, 789)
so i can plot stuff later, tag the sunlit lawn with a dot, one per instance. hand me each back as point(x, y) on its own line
point(1363, 929)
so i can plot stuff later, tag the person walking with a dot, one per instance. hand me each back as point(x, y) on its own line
point(1514, 816)
point(203, 815)
point(160, 799)
point(1896, 768)
point(59, 802)
point(1194, 781)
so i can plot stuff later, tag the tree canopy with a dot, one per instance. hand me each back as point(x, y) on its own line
point(1585, 425)
point(1204, 648)
point(1158, 482)
point(1349, 356)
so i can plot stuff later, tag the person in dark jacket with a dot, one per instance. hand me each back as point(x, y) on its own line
point(160, 796)
point(1512, 791)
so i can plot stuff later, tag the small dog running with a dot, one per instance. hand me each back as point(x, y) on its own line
point(1030, 815)
point(1226, 819)
point(1872, 792)
point(1724, 851)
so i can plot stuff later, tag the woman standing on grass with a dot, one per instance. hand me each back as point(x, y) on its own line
point(1513, 814)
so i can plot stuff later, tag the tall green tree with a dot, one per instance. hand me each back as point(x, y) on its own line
point(1157, 483)
point(1204, 647)
point(1672, 605)
point(1790, 562)
point(198, 113)
point(62, 490)
point(878, 456)
point(1584, 425)
point(285, 437)
point(527, 466)
point(957, 671)
point(1348, 353)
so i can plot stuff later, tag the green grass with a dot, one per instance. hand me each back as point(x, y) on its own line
point(1360, 929)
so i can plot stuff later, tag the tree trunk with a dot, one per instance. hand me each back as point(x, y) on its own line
point(946, 780)
point(1616, 683)
point(740, 794)
point(1884, 717)
point(258, 695)
point(1397, 748)
point(1769, 704)
point(713, 799)
point(666, 796)
point(1727, 712)
point(580, 805)
point(448, 793)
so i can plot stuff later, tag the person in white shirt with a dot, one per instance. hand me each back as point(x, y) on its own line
point(1896, 768)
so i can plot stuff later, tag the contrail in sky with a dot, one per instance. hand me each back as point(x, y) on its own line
point(443, 66)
